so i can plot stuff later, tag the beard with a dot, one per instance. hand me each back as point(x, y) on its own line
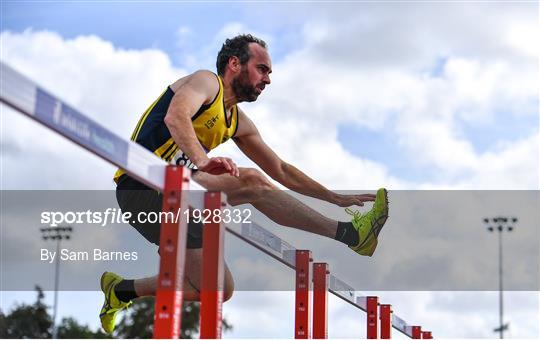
point(243, 90)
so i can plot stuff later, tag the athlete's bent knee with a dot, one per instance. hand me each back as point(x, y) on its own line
point(254, 185)
point(255, 179)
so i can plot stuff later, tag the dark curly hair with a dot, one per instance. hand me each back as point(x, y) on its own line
point(236, 47)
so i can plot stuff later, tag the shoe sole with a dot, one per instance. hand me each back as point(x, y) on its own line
point(103, 289)
point(102, 285)
point(101, 281)
point(109, 288)
point(369, 252)
point(376, 227)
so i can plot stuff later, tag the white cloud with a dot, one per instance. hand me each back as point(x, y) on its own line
point(110, 85)
point(424, 112)
point(329, 81)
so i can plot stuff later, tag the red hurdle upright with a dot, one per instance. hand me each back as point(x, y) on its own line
point(303, 295)
point(416, 332)
point(320, 300)
point(386, 321)
point(212, 268)
point(172, 248)
point(426, 335)
point(372, 310)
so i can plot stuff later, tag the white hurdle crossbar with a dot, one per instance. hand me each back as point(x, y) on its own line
point(24, 96)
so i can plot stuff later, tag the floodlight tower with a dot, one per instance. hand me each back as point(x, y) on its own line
point(56, 234)
point(500, 224)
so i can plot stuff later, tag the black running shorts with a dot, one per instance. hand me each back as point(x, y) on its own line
point(135, 197)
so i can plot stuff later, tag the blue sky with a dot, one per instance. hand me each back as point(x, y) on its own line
point(141, 26)
point(144, 24)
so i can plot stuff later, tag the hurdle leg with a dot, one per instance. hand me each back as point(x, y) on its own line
point(386, 321)
point(372, 309)
point(212, 268)
point(172, 245)
point(303, 290)
point(320, 300)
point(426, 335)
point(416, 332)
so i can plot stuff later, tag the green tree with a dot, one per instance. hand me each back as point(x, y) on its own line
point(3, 326)
point(28, 321)
point(138, 321)
point(69, 328)
point(34, 321)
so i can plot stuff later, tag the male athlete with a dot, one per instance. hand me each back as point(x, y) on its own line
point(193, 116)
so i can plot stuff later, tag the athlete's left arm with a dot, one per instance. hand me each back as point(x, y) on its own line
point(249, 140)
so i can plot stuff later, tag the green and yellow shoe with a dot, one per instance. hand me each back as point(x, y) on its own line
point(112, 304)
point(370, 224)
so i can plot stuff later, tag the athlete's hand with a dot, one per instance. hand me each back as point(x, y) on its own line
point(219, 166)
point(349, 200)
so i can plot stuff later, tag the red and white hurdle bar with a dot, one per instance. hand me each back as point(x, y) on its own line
point(24, 96)
point(313, 280)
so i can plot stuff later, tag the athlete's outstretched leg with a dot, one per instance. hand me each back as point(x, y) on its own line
point(254, 188)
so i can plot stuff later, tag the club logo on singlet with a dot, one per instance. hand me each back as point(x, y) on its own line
point(211, 122)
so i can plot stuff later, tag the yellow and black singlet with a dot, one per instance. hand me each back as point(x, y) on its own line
point(211, 125)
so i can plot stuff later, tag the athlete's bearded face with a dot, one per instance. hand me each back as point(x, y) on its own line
point(253, 76)
point(243, 89)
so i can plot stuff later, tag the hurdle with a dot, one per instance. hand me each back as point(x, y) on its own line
point(313, 279)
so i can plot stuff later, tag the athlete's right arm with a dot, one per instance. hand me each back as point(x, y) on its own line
point(199, 88)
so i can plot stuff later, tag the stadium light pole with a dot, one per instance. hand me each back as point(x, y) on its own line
point(500, 224)
point(56, 234)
